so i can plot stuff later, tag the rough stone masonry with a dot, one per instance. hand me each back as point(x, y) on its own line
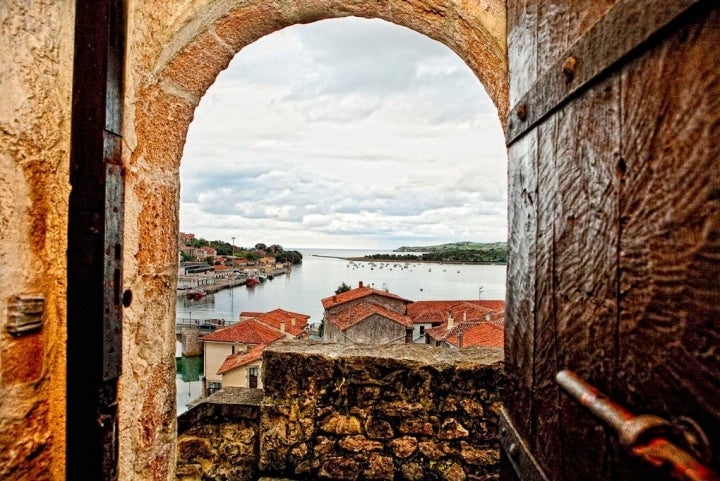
point(405, 412)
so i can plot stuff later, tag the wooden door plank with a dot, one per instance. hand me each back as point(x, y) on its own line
point(545, 439)
point(519, 307)
point(584, 14)
point(585, 268)
point(522, 46)
point(670, 243)
point(552, 32)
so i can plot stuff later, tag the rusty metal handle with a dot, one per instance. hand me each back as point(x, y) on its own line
point(644, 436)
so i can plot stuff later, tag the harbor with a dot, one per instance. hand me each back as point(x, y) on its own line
point(196, 286)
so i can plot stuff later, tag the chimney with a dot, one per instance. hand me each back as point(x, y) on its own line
point(450, 321)
point(459, 338)
point(360, 284)
point(292, 322)
point(282, 326)
point(464, 316)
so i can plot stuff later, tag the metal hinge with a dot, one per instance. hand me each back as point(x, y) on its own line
point(518, 453)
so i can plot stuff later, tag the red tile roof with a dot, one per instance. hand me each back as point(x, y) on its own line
point(436, 312)
point(250, 331)
point(484, 334)
point(241, 359)
point(276, 317)
point(473, 333)
point(357, 293)
point(357, 313)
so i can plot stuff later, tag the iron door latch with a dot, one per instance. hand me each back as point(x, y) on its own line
point(683, 450)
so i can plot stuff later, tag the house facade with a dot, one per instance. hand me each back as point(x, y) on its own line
point(243, 369)
point(368, 324)
point(240, 339)
point(366, 316)
point(233, 355)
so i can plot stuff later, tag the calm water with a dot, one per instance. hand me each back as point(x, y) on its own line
point(318, 277)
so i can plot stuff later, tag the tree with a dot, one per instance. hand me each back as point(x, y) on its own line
point(342, 288)
point(260, 246)
point(275, 249)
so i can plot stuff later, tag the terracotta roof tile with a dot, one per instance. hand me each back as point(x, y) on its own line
point(436, 312)
point(357, 313)
point(248, 315)
point(357, 293)
point(241, 359)
point(249, 331)
point(494, 319)
point(483, 335)
point(276, 317)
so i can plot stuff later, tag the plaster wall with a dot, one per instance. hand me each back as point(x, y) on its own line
point(239, 377)
point(215, 354)
point(36, 82)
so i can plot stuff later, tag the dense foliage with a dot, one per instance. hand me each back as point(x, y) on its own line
point(293, 257)
point(251, 254)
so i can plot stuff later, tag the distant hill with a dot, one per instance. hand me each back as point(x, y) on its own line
point(455, 246)
point(455, 252)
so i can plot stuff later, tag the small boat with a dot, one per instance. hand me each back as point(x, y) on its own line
point(251, 281)
point(195, 294)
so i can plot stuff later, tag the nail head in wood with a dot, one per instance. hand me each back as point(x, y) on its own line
point(521, 111)
point(568, 68)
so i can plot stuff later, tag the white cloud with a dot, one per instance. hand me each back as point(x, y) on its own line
point(345, 133)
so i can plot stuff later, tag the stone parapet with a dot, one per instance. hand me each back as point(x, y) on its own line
point(218, 437)
point(388, 412)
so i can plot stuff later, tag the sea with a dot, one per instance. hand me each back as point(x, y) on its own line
point(322, 271)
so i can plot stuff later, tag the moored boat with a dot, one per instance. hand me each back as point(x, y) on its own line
point(196, 294)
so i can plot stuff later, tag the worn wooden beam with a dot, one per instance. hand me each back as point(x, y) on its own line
point(94, 307)
point(626, 28)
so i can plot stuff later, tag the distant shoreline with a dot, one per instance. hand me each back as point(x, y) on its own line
point(408, 261)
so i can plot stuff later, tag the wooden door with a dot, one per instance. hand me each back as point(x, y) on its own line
point(614, 198)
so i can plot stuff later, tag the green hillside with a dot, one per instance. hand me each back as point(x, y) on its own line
point(455, 252)
point(455, 246)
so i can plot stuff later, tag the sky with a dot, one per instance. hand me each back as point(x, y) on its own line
point(345, 133)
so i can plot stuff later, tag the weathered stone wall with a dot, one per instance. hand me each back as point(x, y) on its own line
point(36, 85)
point(376, 329)
point(344, 413)
point(218, 438)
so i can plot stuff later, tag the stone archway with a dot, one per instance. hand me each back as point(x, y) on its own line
point(170, 70)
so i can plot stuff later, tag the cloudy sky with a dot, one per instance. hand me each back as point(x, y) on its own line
point(346, 133)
